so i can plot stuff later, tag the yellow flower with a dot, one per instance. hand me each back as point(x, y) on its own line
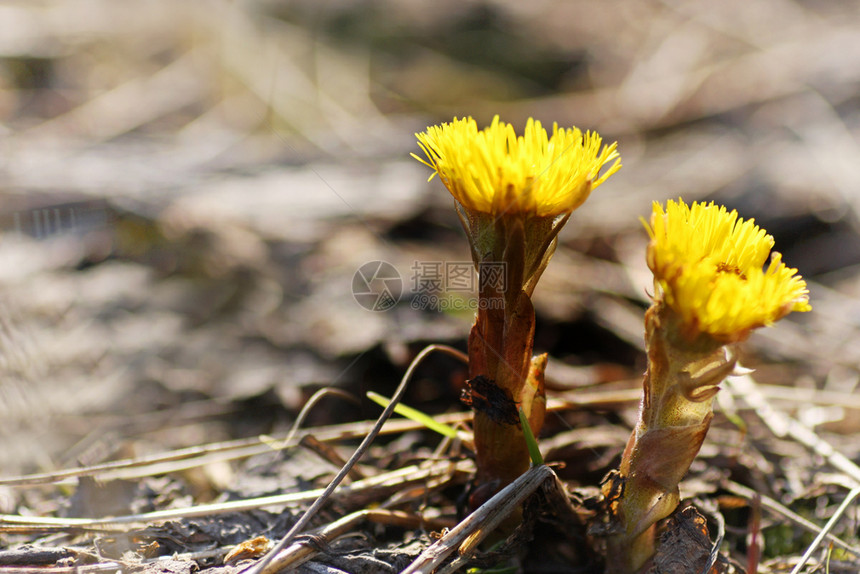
point(494, 171)
point(709, 266)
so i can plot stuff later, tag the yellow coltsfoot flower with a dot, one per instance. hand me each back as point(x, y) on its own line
point(712, 289)
point(495, 171)
point(708, 266)
point(515, 193)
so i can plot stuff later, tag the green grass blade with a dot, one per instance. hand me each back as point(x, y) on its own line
point(531, 443)
point(414, 415)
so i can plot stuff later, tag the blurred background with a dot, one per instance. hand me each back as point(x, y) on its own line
point(187, 190)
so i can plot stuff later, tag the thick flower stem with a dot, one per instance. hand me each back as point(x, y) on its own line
point(679, 386)
point(501, 453)
point(500, 350)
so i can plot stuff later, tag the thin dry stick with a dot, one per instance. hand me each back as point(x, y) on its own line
point(777, 508)
point(64, 528)
point(807, 396)
point(300, 552)
point(97, 469)
point(306, 409)
point(191, 457)
point(329, 454)
point(580, 397)
point(104, 567)
point(754, 534)
point(302, 522)
point(397, 479)
point(783, 425)
point(419, 491)
point(482, 521)
point(556, 498)
point(827, 528)
point(130, 105)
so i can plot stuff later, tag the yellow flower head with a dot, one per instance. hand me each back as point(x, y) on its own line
point(495, 171)
point(709, 265)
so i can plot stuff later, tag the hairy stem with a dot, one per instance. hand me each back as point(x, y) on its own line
point(679, 386)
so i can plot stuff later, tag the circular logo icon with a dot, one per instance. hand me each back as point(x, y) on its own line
point(377, 286)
